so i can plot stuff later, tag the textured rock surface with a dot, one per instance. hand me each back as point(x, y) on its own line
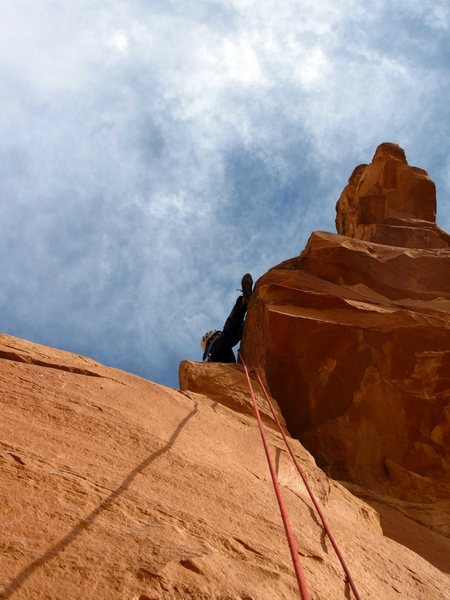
point(390, 202)
point(114, 487)
point(354, 338)
point(213, 381)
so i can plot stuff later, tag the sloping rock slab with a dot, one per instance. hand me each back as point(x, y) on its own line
point(113, 487)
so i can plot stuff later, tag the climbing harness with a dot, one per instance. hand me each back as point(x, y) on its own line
point(304, 594)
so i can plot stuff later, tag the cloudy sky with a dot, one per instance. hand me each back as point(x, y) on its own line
point(152, 151)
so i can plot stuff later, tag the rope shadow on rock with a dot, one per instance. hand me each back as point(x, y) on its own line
point(85, 523)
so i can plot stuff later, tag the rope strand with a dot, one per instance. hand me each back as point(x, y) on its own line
point(310, 492)
point(301, 580)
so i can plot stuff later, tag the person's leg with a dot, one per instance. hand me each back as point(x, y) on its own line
point(234, 325)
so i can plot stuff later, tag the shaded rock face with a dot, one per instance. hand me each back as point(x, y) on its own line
point(114, 487)
point(354, 336)
point(390, 202)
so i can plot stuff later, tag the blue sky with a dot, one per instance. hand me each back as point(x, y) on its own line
point(153, 151)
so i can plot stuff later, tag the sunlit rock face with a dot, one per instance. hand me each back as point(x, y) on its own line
point(390, 202)
point(354, 335)
point(112, 486)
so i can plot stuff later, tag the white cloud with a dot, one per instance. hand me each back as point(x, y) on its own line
point(119, 41)
point(241, 62)
point(314, 67)
point(438, 17)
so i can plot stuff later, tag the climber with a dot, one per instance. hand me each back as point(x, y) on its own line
point(217, 345)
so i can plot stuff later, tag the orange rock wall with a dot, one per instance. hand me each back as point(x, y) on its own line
point(114, 487)
point(390, 202)
point(354, 337)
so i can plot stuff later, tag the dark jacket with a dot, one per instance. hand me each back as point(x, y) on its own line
point(218, 349)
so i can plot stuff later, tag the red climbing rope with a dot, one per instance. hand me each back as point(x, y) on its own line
point(304, 594)
point(305, 481)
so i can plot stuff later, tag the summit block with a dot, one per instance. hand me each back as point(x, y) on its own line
point(390, 202)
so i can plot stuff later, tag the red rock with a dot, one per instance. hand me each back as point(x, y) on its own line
point(390, 202)
point(225, 386)
point(114, 487)
point(354, 337)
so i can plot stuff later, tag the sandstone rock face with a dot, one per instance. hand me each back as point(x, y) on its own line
point(213, 380)
point(354, 339)
point(113, 487)
point(390, 202)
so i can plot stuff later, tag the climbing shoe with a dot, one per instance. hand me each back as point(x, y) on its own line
point(247, 286)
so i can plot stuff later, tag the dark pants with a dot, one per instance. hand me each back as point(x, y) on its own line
point(220, 348)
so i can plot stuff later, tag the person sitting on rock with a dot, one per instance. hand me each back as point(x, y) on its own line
point(217, 346)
